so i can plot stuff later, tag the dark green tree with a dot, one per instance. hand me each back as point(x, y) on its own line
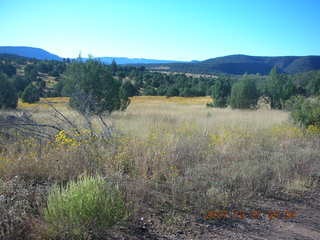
point(149, 91)
point(186, 92)
point(92, 89)
point(44, 67)
point(30, 72)
point(313, 86)
point(42, 84)
point(161, 91)
point(8, 69)
point(172, 92)
point(128, 89)
point(20, 83)
point(244, 94)
point(221, 91)
point(114, 67)
point(279, 88)
point(31, 94)
point(57, 89)
point(8, 94)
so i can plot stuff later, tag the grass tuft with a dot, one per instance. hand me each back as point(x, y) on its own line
point(89, 204)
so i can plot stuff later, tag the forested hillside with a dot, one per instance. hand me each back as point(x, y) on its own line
point(241, 64)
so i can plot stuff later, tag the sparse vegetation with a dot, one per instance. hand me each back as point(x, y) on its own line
point(77, 174)
point(162, 158)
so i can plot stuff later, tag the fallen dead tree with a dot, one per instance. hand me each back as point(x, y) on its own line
point(17, 125)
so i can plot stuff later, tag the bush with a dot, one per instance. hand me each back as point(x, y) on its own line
point(244, 94)
point(305, 112)
point(8, 94)
point(90, 204)
point(31, 94)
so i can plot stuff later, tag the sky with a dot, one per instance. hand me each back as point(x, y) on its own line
point(163, 29)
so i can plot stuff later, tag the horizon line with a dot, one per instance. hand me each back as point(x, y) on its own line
point(161, 59)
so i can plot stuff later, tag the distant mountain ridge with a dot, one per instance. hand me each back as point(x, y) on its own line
point(29, 52)
point(232, 64)
point(41, 54)
point(125, 60)
point(240, 64)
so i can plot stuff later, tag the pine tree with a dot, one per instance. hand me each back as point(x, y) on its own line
point(92, 89)
point(31, 94)
point(8, 94)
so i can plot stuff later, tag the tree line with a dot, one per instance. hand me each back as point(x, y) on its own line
point(247, 89)
point(95, 87)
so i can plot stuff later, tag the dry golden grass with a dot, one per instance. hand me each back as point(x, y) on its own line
point(186, 156)
point(141, 115)
point(43, 103)
point(163, 99)
point(134, 100)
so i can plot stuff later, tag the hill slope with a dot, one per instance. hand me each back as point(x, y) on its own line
point(240, 64)
point(29, 52)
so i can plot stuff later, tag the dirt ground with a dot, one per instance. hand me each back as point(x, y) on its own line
point(303, 224)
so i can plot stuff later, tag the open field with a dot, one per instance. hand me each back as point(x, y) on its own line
point(175, 160)
point(134, 100)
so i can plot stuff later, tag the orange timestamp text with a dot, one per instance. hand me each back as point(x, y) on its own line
point(255, 214)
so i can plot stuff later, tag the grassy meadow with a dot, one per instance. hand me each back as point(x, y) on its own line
point(166, 154)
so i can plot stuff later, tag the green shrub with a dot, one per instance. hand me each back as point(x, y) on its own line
point(305, 112)
point(31, 94)
point(292, 103)
point(8, 93)
point(88, 205)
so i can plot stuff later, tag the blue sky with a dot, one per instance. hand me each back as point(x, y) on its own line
point(163, 29)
